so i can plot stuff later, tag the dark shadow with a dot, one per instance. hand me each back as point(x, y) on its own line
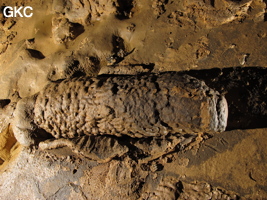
point(2, 9)
point(36, 54)
point(4, 102)
point(245, 90)
point(265, 14)
point(74, 69)
point(76, 29)
point(124, 9)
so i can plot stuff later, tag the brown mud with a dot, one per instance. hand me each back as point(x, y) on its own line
point(222, 42)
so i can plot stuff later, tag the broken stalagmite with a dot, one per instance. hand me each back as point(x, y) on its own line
point(136, 106)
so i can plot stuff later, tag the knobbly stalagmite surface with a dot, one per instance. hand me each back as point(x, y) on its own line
point(135, 106)
point(52, 55)
point(148, 106)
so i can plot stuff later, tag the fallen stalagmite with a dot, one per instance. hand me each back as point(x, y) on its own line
point(154, 105)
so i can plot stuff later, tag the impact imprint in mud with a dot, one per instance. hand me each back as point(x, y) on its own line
point(155, 105)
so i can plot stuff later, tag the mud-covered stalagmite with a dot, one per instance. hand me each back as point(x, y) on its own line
point(136, 106)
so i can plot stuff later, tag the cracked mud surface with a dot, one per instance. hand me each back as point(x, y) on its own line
point(223, 43)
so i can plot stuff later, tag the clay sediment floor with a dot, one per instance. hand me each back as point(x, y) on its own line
point(222, 43)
